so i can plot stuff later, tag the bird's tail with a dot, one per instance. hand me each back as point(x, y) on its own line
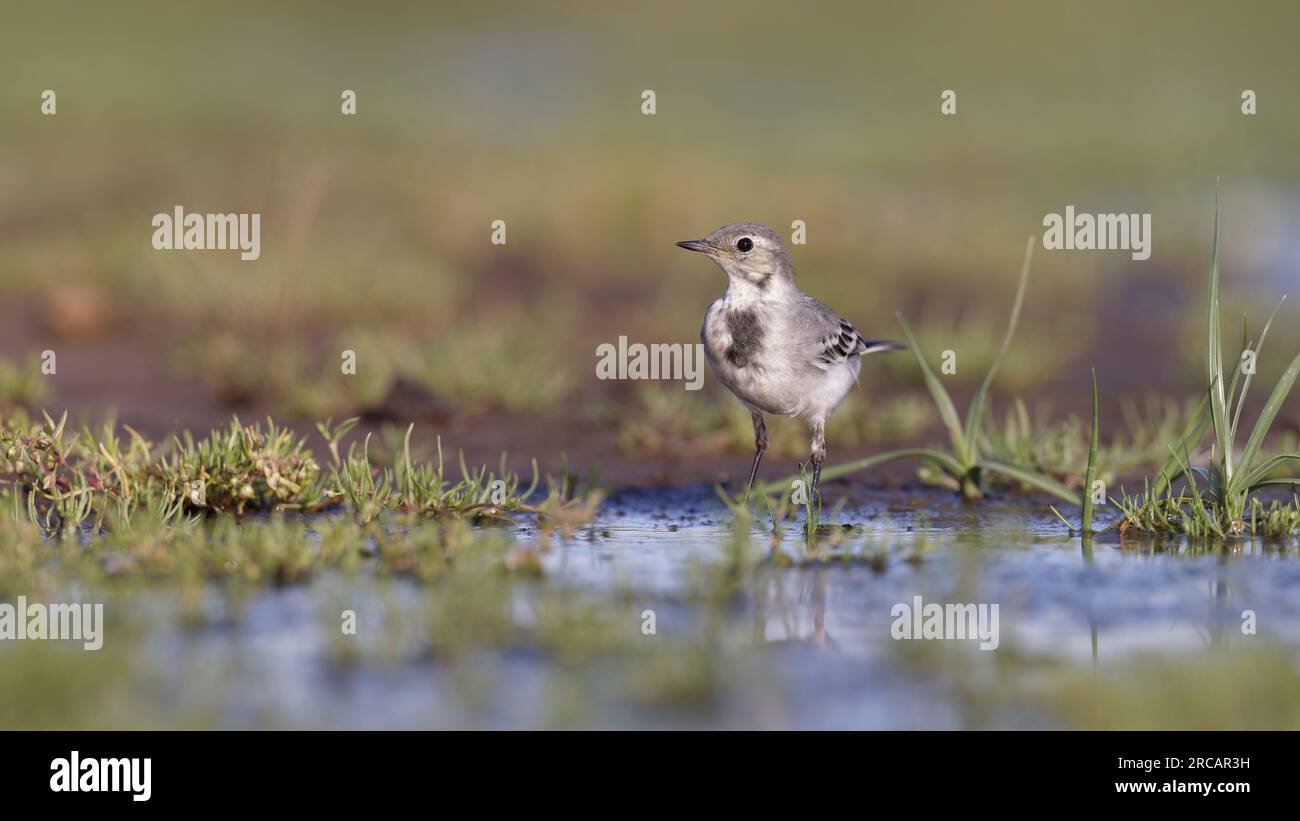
point(879, 346)
point(867, 346)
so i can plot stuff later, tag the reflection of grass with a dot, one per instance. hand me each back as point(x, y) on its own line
point(56, 685)
point(1249, 689)
point(482, 595)
point(484, 604)
point(1254, 687)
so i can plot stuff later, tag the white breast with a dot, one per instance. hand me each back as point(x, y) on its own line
point(778, 379)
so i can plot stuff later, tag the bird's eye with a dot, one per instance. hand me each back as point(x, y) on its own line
point(745, 244)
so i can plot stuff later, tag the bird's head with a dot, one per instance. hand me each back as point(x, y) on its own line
point(746, 251)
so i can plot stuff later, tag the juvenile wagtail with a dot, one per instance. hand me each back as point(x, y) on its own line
point(777, 349)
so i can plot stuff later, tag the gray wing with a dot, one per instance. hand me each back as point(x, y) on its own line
point(830, 338)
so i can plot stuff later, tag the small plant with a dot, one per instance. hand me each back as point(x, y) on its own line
point(1090, 473)
point(64, 482)
point(962, 469)
point(245, 467)
point(1217, 499)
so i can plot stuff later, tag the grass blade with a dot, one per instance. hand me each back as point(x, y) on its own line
point(1090, 475)
point(1192, 435)
point(941, 398)
point(1261, 473)
point(975, 412)
point(1287, 481)
point(1033, 479)
point(1268, 414)
point(945, 461)
point(1214, 357)
point(1064, 520)
point(1245, 385)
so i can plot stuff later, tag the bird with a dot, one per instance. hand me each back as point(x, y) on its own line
point(778, 350)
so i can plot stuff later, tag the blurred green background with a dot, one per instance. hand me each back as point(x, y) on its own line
point(375, 228)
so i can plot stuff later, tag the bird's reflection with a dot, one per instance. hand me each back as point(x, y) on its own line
point(782, 601)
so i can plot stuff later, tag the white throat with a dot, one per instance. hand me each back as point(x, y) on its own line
point(743, 291)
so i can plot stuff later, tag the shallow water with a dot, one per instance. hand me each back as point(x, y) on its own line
point(798, 642)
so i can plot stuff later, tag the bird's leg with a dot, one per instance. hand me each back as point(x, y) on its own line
point(818, 452)
point(819, 635)
point(760, 445)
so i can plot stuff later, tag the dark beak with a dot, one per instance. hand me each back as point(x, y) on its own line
point(695, 245)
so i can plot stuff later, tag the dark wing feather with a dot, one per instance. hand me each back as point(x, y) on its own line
point(845, 341)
